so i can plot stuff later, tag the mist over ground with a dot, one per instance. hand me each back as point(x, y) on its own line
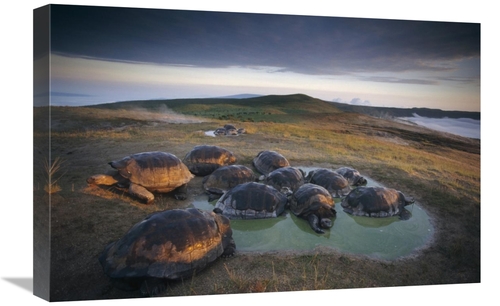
point(462, 126)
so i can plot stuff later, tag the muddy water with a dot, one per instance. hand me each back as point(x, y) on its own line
point(385, 238)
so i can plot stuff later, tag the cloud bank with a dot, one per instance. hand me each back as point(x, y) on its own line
point(463, 126)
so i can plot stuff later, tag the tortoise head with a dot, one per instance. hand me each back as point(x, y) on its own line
point(286, 191)
point(325, 219)
point(325, 223)
point(408, 201)
point(103, 179)
point(360, 181)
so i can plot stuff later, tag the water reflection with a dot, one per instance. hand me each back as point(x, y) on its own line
point(386, 238)
point(257, 225)
point(304, 226)
point(374, 222)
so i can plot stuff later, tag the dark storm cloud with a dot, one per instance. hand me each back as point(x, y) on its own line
point(303, 44)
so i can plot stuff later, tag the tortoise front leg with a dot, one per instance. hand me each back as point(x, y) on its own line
point(141, 192)
point(314, 223)
point(181, 192)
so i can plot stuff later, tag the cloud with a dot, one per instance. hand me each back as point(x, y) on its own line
point(301, 44)
point(354, 101)
point(358, 101)
point(462, 126)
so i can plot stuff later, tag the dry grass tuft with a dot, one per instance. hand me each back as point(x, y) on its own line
point(53, 175)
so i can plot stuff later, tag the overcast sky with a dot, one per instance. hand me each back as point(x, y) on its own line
point(101, 54)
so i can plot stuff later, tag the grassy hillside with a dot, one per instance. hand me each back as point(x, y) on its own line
point(267, 108)
point(441, 171)
point(258, 107)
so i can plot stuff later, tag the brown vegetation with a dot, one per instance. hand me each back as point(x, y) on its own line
point(441, 171)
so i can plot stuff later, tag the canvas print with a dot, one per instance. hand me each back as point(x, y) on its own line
point(181, 153)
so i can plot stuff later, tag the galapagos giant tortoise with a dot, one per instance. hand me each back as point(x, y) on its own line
point(204, 159)
point(352, 176)
point(315, 204)
point(286, 179)
point(167, 245)
point(335, 183)
point(251, 201)
point(225, 178)
point(230, 129)
point(145, 173)
point(377, 202)
point(267, 161)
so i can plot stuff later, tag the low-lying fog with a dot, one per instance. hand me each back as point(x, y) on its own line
point(463, 126)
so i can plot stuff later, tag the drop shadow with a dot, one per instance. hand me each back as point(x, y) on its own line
point(22, 282)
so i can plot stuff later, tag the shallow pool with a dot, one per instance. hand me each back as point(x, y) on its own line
point(210, 133)
point(385, 238)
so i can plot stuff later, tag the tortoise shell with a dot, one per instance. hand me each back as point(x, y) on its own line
point(376, 202)
point(204, 159)
point(227, 177)
point(251, 201)
point(156, 171)
point(312, 198)
point(352, 176)
point(267, 161)
point(332, 181)
point(286, 179)
point(170, 244)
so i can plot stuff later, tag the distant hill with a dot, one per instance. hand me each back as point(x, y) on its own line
point(405, 112)
point(249, 106)
point(275, 104)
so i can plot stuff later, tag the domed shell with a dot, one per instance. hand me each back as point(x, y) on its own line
point(286, 179)
point(332, 181)
point(168, 245)
point(227, 177)
point(251, 201)
point(352, 176)
point(267, 161)
point(311, 198)
point(376, 202)
point(156, 171)
point(229, 127)
point(204, 159)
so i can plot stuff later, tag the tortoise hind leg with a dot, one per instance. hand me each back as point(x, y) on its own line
point(141, 192)
point(229, 249)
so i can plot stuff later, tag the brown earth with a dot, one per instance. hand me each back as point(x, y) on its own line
point(85, 218)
